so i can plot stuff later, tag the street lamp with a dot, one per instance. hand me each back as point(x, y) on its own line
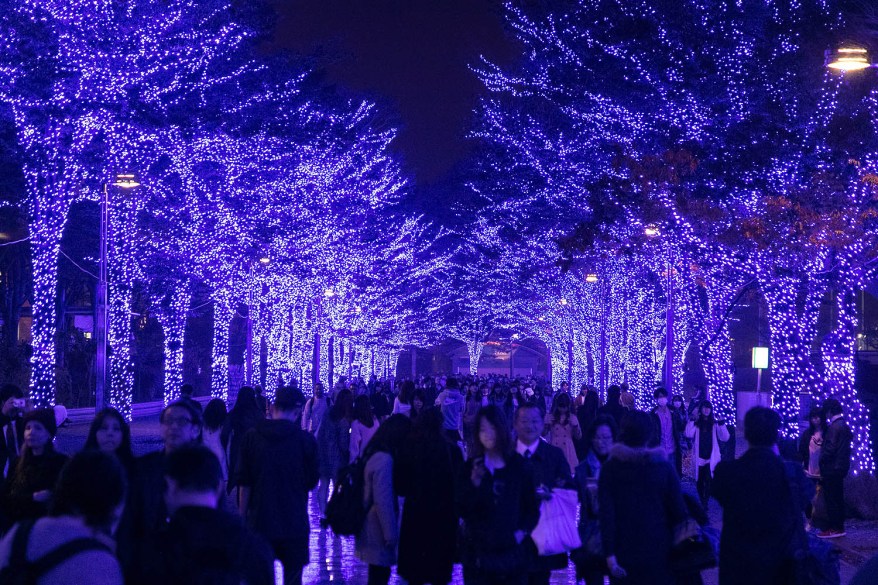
point(848, 57)
point(760, 362)
point(591, 278)
point(123, 181)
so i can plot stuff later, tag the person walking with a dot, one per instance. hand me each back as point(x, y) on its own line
point(276, 470)
point(668, 431)
point(88, 501)
point(428, 466)
point(402, 404)
point(591, 565)
point(763, 499)
point(245, 415)
point(203, 544)
point(835, 463)
point(640, 505)
point(211, 437)
point(363, 427)
point(28, 491)
point(498, 504)
point(333, 446)
point(452, 403)
point(315, 409)
point(551, 470)
point(562, 429)
point(613, 407)
point(586, 409)
point(376, 543)
point(706, 433)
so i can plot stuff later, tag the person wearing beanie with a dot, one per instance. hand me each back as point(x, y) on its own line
point(28, 490)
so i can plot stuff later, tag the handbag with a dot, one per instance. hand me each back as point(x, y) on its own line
point(694, 552)
point(556, 532)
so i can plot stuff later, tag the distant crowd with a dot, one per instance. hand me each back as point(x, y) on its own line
point(504, 476)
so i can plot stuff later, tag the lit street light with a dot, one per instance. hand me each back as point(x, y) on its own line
point(848, 58)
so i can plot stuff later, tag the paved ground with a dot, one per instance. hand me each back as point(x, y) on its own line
point(333, 559)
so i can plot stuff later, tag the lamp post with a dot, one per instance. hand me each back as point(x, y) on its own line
point(264, 261)
point(124, 181)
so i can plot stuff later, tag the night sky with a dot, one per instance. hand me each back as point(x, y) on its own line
point(411, 57)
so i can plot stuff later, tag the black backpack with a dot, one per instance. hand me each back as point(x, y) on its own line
point(21, 571)
point(345, 512)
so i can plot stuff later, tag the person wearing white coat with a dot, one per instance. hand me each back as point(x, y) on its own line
point(706, 433)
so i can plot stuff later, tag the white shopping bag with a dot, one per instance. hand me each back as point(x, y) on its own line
point(556, 531)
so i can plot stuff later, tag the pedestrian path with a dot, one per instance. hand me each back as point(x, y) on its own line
point(334, 561)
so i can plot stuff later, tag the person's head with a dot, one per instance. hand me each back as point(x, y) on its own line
point(318, 390)
point(529, 423)
point(8, 391)
point(565, 387)
point(761, 427)
point(613, 393)
point(493, 432)
point(343, 405)
point(215, 414)
point(626, 399)
point(832, 407)
point(187, 391)
point(12, 400)
point(390, 436)
point(193, 477)
point(677, 402)
point(91, 486)
point(583, 389)
point(451, 384)
point(180, 425)
point(363, 410)
point(110, 433)
point(418, 400)
point(602, 434)
point(561, 406)
point(406, 390)
point(661, 396)
point(246, 400)
point(39, 429)
point(636, 429)
point(815, 418)
point(288, 404)
point(705, 409)
point(428, 424)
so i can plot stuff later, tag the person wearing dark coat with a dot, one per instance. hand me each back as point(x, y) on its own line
point(11, 428)
point(586, 405)
point(277, 467)
point(28, 489)
point(497, 501)
point(668, 430)
point(551, 470)
point(613, 407)
point(202, 545)
point(641, 506)
point(427, 469)
point(245, 415)
point(763, 500)
point(835, 463)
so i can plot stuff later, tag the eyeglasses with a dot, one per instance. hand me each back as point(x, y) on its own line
point(179, 421)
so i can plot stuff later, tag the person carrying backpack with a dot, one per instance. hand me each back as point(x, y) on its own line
point(74, 544)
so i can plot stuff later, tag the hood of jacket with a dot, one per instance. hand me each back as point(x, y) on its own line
point(622, 452)
point(274, 430)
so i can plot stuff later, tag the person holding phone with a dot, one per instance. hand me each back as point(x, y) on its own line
point(12, 404)
point(706, 433)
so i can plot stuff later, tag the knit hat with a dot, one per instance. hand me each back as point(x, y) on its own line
point(44, 416)
point(627, 400)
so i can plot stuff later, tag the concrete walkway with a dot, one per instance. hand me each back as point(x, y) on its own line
point(333, 559)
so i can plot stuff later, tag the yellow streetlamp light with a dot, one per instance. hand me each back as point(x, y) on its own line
point(848, 57)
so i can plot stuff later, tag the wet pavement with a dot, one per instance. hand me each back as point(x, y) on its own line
point(333, 559)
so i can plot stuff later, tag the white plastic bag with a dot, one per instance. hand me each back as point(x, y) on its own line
point(556, 531)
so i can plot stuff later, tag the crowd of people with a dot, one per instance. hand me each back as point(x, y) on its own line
point(452, 470)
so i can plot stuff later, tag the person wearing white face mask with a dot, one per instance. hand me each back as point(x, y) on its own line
point(668, 430)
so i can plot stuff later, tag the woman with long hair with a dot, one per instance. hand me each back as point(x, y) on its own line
point(706, 433)
point(28, 490)
point(211, 434)
point(363, 426)
point(562, 429)
point(419, 403)
point(377, 541)
point(245, 415)
point(333, 446)
point(110, 432)
point(402, 404)
point(498, 504)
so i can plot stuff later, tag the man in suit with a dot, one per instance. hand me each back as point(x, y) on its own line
point(551, 470)
point(763, 500)
point(835, 462)
point(668, 430)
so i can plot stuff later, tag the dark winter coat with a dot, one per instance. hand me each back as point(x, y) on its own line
point(39, 473)
point(333, 444)
point(759, 516)
point(587, 411)
point(677, 430)
point(278, 461)
point(205, 546)
point(426, 472)
point(8, 453)
point(640, 507)
point(502, 504)
point(835, 455)
point(240, 420)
